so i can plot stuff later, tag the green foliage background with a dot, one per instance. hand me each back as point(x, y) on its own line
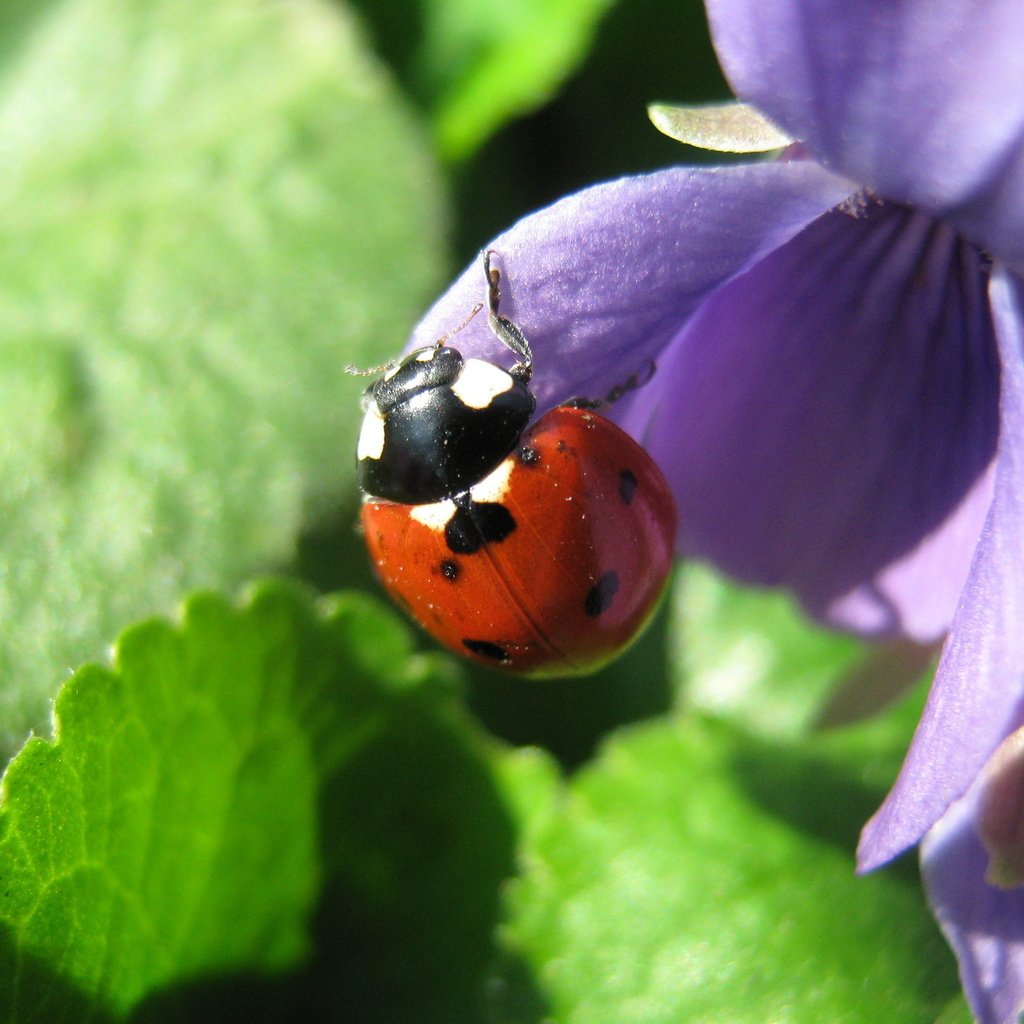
point(273, 801)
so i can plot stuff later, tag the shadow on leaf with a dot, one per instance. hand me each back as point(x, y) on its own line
point(811, 793)
point(415, 844)
point(567, 717)
point(40, 993)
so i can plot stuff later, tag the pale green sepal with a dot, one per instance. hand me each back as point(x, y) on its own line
point(722, 127)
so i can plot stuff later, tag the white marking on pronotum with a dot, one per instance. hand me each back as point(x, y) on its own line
point(371, 434)
point(480, 383)
point(434, 517)
point(495, 486)
point(492, 488)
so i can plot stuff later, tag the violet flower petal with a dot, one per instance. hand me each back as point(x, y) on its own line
point(830, 416)
point(984, 925)
point(978, 693)
point(922, 100)
point(603, 279)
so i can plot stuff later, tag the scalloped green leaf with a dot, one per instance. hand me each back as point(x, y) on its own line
point(200, 210)
point(693, 875)
point(261, 789)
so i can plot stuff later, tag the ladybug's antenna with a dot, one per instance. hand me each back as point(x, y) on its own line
point(384, 367)
point(504, 330)
point(455, 330)
point(369, 371)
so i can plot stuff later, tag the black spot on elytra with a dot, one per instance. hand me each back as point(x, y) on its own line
point(476, 523)
point(450, 570)
point(486, 650)
point(599, 597)
point(627, 486)
point(528, 456)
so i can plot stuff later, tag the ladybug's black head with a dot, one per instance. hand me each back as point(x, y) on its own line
point(433, 367)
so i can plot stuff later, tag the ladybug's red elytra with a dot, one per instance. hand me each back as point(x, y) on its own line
point(542, 550)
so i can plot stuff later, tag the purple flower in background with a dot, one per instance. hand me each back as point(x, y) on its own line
point(839, 402)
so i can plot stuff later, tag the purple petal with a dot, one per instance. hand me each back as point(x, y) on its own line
point(602, 280)
point(826, 421)
point(923, 100)
point(977, 695)
point(984, 925)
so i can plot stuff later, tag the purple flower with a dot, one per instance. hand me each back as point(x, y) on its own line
point(839, 402)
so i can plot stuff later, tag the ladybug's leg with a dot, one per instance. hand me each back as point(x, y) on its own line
point(506, 332)
point(593, 404)
point(634, 381)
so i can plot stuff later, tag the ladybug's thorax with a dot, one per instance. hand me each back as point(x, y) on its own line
point(481, 382)
point(437, 424)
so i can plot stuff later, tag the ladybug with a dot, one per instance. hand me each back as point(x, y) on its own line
point(538, 549)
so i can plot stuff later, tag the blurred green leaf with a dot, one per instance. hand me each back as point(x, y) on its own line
point(753, 656)
point(956, 1012)
point(200, 210)
point(230, 790)
point(694, 874)
point(488, 63)
point(476, 66)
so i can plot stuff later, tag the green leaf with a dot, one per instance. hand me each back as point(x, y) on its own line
point(476, 66)
point(693, 874)
point(200, 212)
point(131, 844)
point(754, 656)
point(230, 791)
point(488, 63)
